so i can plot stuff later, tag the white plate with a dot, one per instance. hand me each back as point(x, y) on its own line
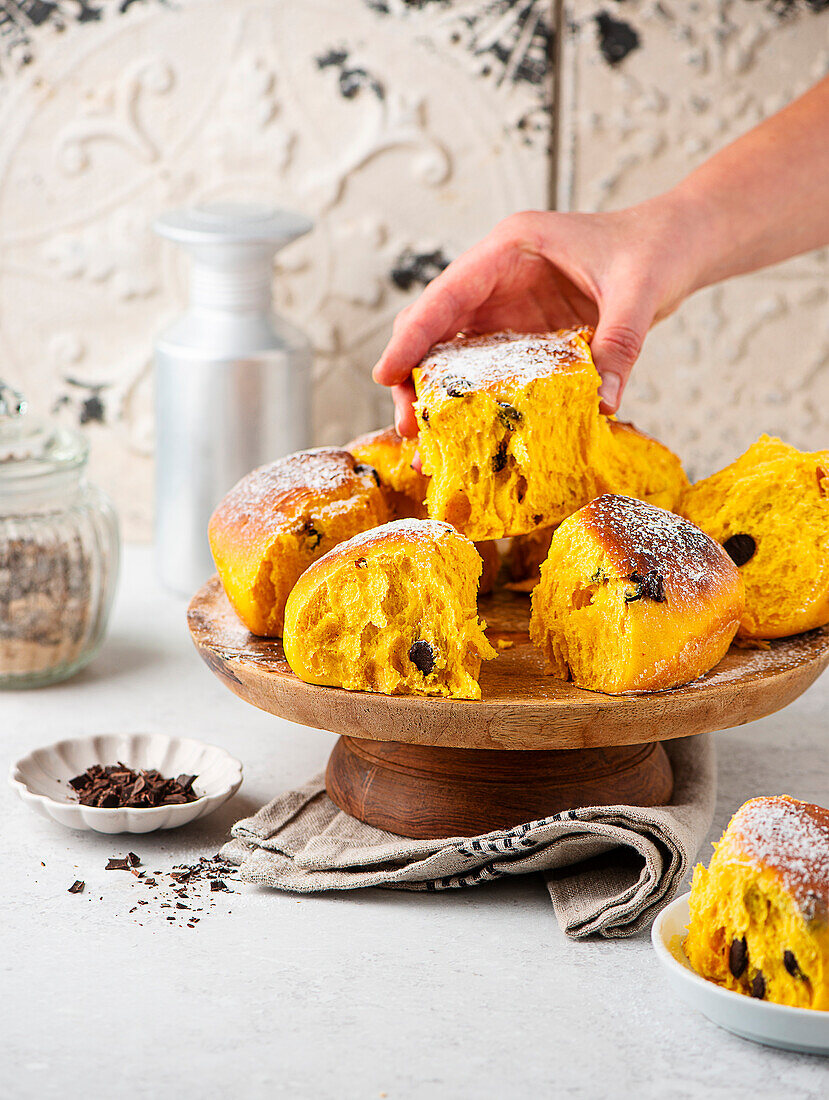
point(801, 1029)
point(41, 779)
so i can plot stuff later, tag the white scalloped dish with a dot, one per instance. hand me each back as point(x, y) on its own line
point(802, 1029)
point(42, 779)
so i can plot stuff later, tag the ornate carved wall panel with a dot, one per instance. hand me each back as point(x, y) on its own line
point(406, 130)
point(649, 90)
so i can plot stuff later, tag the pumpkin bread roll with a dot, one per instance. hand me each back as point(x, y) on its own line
point(627, 462)
point(391, 456)
point(633, 598)
point(280, 518)
point(509, 427)
point(760, 910)
point(392, 610)
point(770, 510)
point(636, 465)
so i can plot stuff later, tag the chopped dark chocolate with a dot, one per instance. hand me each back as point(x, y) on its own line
point(738, 957)
point(364, 470)
point(758, 986)
point(360, 563)
point(499, 459)
point(77, 886)
point(740, 548)
point(455, 386)
point(650, 586)
point(509, 416)
point(217, 884)
point(422, 655)
point(312, 534)
point(116, 785)
point(116, 864)
point(791, 965)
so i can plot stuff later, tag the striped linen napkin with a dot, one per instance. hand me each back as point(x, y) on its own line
point(609, 869)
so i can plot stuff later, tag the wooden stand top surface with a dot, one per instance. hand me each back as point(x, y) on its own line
point(521, 707)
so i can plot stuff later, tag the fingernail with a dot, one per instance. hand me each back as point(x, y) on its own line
point(610, 388)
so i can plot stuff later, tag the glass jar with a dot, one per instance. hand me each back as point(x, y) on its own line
point(59, 551)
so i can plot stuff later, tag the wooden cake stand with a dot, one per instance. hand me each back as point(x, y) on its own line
point(531, 747)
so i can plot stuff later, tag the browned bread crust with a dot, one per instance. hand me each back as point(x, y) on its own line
point(405, 487)
point(280, 518)
point(633, 598)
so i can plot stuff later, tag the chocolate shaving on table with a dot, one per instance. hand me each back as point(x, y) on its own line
point(179, 895)
point(116, 863)
point(115, 785)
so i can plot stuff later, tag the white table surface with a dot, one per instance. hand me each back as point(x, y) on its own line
point(474, 993)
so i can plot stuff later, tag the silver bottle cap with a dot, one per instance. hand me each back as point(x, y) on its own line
point(232, 223)
point(232, 245)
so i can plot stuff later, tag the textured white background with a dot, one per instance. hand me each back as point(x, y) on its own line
point(402, 129)
point(750, 355)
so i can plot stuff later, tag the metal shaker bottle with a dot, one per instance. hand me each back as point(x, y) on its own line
point(232, 380)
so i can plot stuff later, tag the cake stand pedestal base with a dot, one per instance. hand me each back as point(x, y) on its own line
point(425, 792)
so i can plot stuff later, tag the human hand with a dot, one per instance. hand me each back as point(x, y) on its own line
point(539, 271)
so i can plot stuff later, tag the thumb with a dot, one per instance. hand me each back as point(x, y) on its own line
point(620, 333)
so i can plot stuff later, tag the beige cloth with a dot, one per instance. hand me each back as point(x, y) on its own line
point(609, 869)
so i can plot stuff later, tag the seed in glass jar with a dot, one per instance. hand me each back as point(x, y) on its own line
point(740, 548)
point(422, 656)
point(758, 986)
point(738, 957)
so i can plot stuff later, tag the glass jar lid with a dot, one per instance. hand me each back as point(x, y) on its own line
point(31, 449)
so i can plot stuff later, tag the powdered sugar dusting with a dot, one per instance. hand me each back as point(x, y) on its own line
point(475, 361)
point(425, 532)
point(285, 486)
point(645, 537)
point(793, 838)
